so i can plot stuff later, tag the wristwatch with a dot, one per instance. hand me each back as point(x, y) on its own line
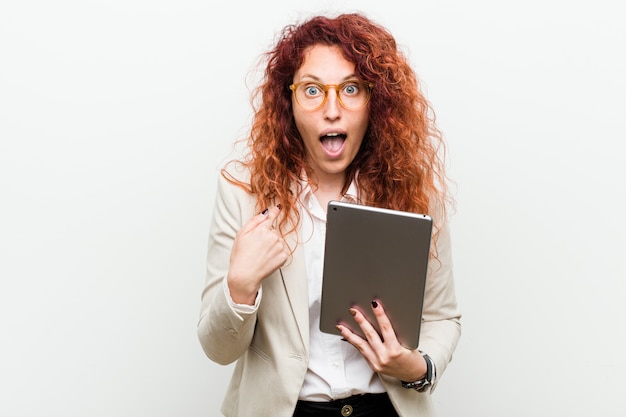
point(422, 385)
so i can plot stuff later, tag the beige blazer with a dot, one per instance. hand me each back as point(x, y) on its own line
point(271, 346)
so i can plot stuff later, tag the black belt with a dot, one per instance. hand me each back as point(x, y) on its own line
point(365, 405)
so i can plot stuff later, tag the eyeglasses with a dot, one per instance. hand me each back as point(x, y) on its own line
point(352, 94)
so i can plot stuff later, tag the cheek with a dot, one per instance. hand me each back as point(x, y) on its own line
point(303, 124)
point(363, 124)
point(298, 119)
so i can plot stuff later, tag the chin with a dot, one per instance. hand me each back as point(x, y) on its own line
point(335, 169)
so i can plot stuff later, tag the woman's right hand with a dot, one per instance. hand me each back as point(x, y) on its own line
point(258, 250)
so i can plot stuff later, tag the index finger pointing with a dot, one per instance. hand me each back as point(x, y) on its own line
point(272, 215)
point(255, 221)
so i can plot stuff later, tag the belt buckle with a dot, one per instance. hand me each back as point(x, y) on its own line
point(346, 410)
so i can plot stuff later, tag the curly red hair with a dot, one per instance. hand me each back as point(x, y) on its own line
point(400, 164)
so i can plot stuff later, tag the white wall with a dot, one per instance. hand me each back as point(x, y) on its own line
point(114, 115)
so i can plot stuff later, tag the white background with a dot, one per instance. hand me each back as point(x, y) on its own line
point(115, 114)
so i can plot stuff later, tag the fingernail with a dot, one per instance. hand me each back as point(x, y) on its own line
point(353, 312)
point(374, 303)
point(264, 212)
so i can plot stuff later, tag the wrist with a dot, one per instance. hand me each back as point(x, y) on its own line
point(414, 367)
point(424, 383)
point(241, 294)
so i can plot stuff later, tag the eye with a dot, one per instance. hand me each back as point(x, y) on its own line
point(313, 90)
point(351, 89)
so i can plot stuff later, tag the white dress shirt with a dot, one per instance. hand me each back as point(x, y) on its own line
point(336, 369)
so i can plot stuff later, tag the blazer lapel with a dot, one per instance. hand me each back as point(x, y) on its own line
point(293, 275)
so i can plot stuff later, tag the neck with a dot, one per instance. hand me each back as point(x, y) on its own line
point(329, 189)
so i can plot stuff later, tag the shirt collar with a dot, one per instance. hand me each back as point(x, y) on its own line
point(351, 195)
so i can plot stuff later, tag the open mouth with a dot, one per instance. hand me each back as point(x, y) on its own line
point(333, 142)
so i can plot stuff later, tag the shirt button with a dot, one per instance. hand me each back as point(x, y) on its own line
point(346, 410)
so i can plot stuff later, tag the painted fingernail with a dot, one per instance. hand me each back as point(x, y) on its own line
point(353, 312)
point(264, 212)
point(374, 303)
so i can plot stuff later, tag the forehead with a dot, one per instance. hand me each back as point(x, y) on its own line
point(324, 63)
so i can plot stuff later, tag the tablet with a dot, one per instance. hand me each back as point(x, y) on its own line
point(373, 253)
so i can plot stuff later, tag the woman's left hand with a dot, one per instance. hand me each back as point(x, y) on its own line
point(385, 355)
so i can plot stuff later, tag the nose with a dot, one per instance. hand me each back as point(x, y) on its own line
point(332, 107)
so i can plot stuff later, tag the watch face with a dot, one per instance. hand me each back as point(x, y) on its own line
point(418, 385)
point(422, 387)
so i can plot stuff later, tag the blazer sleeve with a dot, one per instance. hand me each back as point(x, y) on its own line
point(224, 334)
point(441, 318)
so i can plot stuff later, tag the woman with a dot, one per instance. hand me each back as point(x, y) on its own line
point(339, 116)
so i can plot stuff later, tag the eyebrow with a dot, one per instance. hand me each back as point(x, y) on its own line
point(315, 78)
